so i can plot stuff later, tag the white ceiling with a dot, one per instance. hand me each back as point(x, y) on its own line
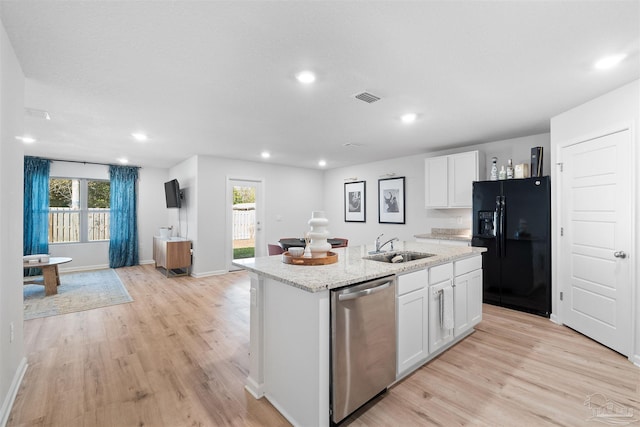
point(217, 77)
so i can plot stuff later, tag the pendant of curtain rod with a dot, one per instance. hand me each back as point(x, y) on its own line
point(91, 163)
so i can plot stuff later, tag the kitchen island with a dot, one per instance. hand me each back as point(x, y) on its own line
point(290, 319)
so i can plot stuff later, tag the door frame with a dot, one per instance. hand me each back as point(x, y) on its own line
point(260, 225)
point(557, 216)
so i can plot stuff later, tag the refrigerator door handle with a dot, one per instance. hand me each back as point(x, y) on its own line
point(497, 222)
point(503, 208)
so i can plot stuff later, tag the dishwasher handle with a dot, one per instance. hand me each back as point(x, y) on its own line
point(364, 292)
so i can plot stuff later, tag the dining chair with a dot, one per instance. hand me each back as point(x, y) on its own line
point(343, 244)
point(274, 249)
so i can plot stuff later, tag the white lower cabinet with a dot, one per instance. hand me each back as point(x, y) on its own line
point(413, 320)
point(439, 335)
point(467, 294)
point(425, 298)
point(440, 295)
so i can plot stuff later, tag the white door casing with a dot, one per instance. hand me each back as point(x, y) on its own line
point(596, 240)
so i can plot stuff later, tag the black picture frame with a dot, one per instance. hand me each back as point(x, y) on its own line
point(391, 201)
point(355, 206)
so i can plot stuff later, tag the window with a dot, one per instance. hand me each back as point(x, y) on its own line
point(78, 210)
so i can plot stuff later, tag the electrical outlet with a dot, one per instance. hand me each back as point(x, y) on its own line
point(254, 297)
point(11, 332)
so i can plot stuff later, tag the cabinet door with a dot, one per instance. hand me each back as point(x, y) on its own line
point(463, 170)
point(467, 295)
point(474, 295)
point(178, 254)
point(413, 330)
point(438, 336)
point(435, 184)
point(159, 251)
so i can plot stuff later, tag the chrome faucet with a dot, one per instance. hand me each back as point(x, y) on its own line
point(380, 246)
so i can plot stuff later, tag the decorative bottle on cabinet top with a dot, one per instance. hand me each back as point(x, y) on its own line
point(509, 169)
point(318, 235)
point(494, 169)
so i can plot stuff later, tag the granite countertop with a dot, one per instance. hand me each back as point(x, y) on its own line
point(461, 234)
point(460, 237)
point(351, 267)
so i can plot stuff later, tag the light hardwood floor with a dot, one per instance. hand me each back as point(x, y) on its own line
point(178, 356)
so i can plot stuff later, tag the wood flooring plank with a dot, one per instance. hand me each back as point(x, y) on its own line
point(178, 356)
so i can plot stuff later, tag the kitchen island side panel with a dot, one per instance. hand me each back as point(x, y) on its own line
point(296, 352)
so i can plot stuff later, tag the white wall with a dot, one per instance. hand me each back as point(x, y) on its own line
point(151, 215)
point(12, 356)
point(152, 210)
point(185, 220)
point(619, 107)
point(419, 220)
point(290, 195)
point(358, 233)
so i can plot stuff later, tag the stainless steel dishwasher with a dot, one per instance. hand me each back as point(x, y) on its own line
point(363, 344)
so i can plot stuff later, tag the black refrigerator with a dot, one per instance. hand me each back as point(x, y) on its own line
point(512, 219)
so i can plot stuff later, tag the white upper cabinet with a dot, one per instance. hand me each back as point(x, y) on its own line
point(435, 173)
point(448, 179)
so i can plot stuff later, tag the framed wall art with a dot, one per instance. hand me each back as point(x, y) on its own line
point(391, 201)
point(354, 201)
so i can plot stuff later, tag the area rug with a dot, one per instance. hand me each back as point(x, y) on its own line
point(77, 292)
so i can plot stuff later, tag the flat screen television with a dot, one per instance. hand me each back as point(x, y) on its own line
point(172, 194)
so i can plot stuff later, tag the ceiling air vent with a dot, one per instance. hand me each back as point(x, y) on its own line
point(367, 97)
point(40, 114)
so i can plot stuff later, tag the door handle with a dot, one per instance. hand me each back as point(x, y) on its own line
point(620, 254)
point(363, 293)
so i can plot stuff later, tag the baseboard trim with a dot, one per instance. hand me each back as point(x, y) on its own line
point(95, 267)
point(84, 268)
point(209, 273)
point(635, 359)
point(13, 392)
point(256, 390)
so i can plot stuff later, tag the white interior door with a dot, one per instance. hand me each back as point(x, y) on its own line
point(593, 263)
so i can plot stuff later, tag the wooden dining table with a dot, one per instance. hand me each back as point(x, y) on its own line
point(300, 243)
point(50, 274)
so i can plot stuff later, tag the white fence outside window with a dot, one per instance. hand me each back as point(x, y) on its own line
point(244, 220)
point(64, 225)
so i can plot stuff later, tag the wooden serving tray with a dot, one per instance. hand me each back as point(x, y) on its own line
point(331, 258)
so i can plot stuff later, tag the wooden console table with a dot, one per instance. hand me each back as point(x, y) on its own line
point(172, 255)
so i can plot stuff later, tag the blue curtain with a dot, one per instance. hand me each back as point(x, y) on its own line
point(36, 206)
point(35, 215)
point(123, 243)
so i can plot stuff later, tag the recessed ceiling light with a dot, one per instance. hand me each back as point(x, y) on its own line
point(265, 154)
point(322, 163)
point(306, 77)
point(139, 136)
point(26, 139)
point(409, 117)
point(609, 61)
point(123, 160)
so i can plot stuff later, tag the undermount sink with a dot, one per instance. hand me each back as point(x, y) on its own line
point(407, 256)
